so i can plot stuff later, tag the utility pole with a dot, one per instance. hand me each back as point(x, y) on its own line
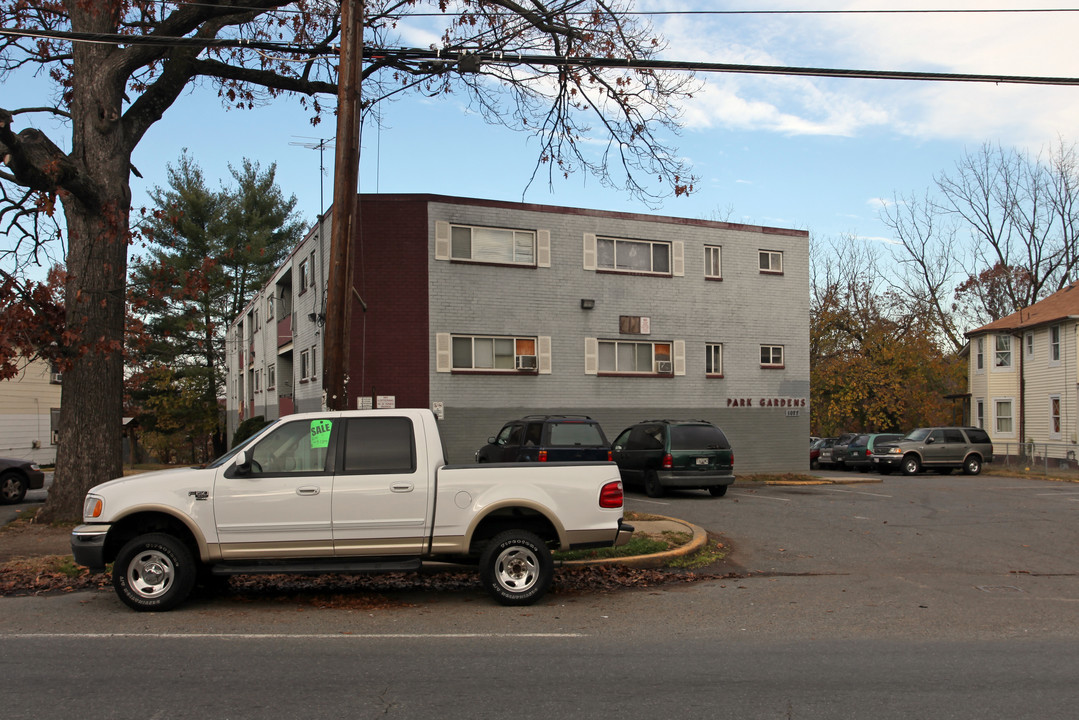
point(339, 290)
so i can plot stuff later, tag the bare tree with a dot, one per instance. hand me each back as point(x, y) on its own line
point(999, 233)
point(118, 65)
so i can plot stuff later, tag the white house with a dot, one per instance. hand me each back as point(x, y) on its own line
point(30, 413)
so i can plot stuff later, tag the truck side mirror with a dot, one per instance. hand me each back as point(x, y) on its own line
point(240, 463)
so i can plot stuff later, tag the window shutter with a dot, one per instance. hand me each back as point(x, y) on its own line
point(442, 353)
point(589, 251)
point(442, 241)
point(543, 248)
point(544, 354)
point(678, 261)
point(679, 357)
point(591, 354)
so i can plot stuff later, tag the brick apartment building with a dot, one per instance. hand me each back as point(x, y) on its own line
point(486, 311)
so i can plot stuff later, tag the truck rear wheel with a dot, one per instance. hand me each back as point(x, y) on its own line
point(153, 572)
point(516, 568)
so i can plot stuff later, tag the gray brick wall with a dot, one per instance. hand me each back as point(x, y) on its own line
point(743, 311)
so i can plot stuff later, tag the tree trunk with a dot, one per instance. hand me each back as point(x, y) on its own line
point(91, 403)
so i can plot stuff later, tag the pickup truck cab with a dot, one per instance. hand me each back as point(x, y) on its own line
point(352, 491)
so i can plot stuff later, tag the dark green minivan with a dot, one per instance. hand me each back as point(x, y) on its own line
point(686, 454)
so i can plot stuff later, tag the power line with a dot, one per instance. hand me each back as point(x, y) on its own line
point(464, 61)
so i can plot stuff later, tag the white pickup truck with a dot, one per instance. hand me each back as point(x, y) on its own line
point(345, 492)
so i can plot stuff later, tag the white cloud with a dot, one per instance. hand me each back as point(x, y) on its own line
point(1021, 44)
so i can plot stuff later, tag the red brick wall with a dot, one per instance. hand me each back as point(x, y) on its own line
point(389, 351)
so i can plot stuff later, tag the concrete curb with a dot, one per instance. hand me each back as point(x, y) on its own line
point(697, 541)
point(819, 481)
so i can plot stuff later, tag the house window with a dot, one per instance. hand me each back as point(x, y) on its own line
point(713, 364)
point(1028, 343)
point(258, 380)
point(493, 245)
point(269, 308)
point(504, 354)
point(314, 351)
point(713, 270)
point(305, 275)
point(771, 261)
point(617, 356)
point(1054, 345)
point(305, 364)
point(637, 256)
point(1054, 417)
point(271, 377)
point(979, 413)
point(1004, 352)
point(1004, 417)
point(771, 356)
point(255, 320)
point(979, 354)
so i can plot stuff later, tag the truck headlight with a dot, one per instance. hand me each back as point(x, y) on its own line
point(93, 507)
point(895, 451)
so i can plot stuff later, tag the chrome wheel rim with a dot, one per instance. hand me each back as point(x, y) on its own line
point(151, 574)
point(517, 569)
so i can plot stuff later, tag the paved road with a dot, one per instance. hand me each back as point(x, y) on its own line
point(916, 597)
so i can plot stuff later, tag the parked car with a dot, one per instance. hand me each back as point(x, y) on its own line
point(16, 477)
point(839, 450)
point(547, 438)
point(820, 453)
point(860, 450)
point(661, 454)
point(941, 448)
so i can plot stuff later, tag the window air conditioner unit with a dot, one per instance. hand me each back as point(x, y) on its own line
point(664, 367)
point(526, 362)
point(56, 378)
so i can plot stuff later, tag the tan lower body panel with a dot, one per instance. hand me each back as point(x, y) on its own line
point(591, 537)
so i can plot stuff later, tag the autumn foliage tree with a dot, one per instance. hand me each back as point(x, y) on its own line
point(110, 69)
point(878, 362)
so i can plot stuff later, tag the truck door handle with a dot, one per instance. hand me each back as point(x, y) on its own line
point(402, 487)
point(308, 490)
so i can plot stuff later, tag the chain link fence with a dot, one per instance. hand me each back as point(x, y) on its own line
point(1057, 459)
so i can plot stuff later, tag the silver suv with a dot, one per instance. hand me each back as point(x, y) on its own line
point(942, 449)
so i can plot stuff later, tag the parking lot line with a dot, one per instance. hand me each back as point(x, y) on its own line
point(857, 492)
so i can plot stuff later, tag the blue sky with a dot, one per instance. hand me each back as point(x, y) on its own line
point(807, 153)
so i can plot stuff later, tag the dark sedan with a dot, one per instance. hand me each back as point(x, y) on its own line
point(16, 477)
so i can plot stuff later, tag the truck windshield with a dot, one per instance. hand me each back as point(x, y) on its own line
point(231, 453)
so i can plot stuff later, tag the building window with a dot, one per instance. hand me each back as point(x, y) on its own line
point(771, 261)
point(1004, 418)
point(258, 380)
point(269, 308)
point(1004, 352)
point(1029, 344)
point(504, 354)
point(305, 275)
point(314, 353)
point(255, 320)
point(713, 269)
point(637, 256)
point(979, 413)
point(645, 358)
point(771, 356)
point(305, 364)
point(493, 245)
point(979, 354)
point(271, 377)
point(1054, 345)
point(1054, 417)
point(713, 364)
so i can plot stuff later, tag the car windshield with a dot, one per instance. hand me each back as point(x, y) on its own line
point(568, 434)
point(698, 437)
point(918, 435)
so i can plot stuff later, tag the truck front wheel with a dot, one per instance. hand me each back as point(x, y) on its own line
point(516, 568)
point(153, 572)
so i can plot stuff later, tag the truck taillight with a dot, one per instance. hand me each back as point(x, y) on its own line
point(868, 452)
point(611, 495)
point(543, 456)
point(668, 462)
point(732, 461)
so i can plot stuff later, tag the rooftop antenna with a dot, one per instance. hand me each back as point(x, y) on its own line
point(320, 144)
